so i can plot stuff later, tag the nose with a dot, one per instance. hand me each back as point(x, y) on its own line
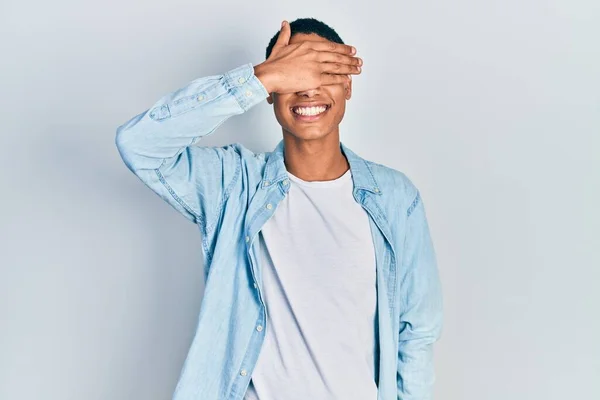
point(308, 92)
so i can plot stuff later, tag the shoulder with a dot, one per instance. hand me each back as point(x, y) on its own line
point(395, 185)
point(252, 162)
point(246, 154)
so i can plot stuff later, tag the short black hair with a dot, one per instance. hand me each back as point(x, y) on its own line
point(308, 26)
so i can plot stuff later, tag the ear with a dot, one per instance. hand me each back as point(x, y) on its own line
point(348, 89)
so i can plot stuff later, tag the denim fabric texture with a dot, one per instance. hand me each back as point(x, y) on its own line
point(229, 192)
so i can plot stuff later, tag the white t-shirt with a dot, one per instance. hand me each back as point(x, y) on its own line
point(319, 285)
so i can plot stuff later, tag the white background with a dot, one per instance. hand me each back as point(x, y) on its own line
point(491, 107)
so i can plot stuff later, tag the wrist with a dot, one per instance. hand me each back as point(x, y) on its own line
point(265, 77)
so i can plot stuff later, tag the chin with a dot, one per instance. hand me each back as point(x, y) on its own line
point(308, 134)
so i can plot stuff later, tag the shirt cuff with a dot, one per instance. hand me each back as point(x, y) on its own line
point(246, 87)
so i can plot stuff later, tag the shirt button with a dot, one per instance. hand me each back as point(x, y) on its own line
point(248, 93)
point(200, 98)
point(376, 190)
point(269, 206)
point(243, 372)
point(247, 238)
point(255, 285)
point(242, 80)
point(259, 328)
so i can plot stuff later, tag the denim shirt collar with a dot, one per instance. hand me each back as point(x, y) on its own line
point(362, 176)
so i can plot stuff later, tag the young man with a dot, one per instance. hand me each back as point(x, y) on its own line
point(321, 278)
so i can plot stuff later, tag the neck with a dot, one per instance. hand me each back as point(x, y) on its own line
point(316, 159)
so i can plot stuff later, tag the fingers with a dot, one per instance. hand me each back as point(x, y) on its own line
point(284, 35)
point(340, 69)
point(327, 56)
point(333, 47)
point(329, 79)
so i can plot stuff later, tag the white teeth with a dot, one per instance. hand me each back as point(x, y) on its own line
point(309, 110)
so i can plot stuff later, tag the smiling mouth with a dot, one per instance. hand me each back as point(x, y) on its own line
point(310, 113)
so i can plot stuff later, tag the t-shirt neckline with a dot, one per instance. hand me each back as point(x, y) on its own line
point(322, 184)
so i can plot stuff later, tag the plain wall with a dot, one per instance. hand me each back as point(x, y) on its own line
point(492, 108)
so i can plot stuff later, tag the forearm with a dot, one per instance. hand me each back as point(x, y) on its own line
point(416, 375)
point(421, 309)
point(180, 118)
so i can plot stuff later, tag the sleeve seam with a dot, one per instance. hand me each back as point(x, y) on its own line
point(225, 196)
point(208, 259)
point(414, 204)
point(162, 180)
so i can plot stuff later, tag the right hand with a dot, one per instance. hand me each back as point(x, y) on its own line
point(307, 65)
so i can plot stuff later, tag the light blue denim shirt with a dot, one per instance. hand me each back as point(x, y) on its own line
point(229, 192)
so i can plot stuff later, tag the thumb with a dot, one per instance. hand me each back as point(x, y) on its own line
point(284, 35)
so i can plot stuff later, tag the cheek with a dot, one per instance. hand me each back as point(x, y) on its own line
point(279, 106)
point(281, 112)
point(334, 91)
point(283, 117)
point(339, 112)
